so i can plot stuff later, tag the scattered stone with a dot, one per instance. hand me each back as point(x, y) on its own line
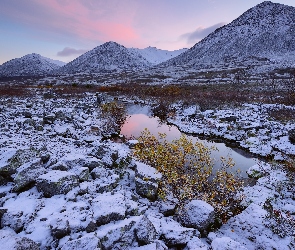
point(226, 243)
point(147, 180)
point(117, 235)
point(197, 214)
point(49, 119)
point(291, 134)
point(259, 170)
point(145, 231)
point(56, 182)
point(87, 242)
point(108, 207)
point(27, 175)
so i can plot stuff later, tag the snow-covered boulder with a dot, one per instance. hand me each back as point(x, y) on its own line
point(27, 174)
point(108, 207)
point(105, 179)
point(147, 180)
point(156, 245)
point(15, 159)
point(259, 170)
point(117, 235)
point(145, 231)
point(86, 242)
point(10, 240)
point(173, 234)
point(291, 134)
point(197, 214)
point(60, 228)
point(56, 182)
point(196, 244)
point(226, 243)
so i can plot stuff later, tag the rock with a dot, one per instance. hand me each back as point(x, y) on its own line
point(82, 173)
point(117, 235)
point(49, 119)
point(147, 180)
point(259, 170)
point(93, 163)
point(173, 234)
point(291, 134)
point(60, 228)
point(2, 212)
point(56, 182)
point(167, 208)
point(197, 214)
point(87, 242)
point(196, 244)
point(226, 243)
point(45, 158)
point(20, 157)
point(145, 231)
point(27, 114)
point(91, 227)
point(108, 207)
point(27, 175)
point(14, 220)
point(229, 119)
point(106, 180)
point(157, 245)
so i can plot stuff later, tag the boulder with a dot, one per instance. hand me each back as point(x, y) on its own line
point(117, 235)
point(147, 181)
point(196, 244)
point(105, 180)
point(81, 172)
point(291, 134)
point(197, 214)
point(49, 119)
point(27, 175)
point(17, 158)
point(173, 234)
point(156, 245)
point(87, 242)
point(145, 231)
point(224, 243)
point(108, 207)
point(259, 170)
point(60, 228)
point(56, 182)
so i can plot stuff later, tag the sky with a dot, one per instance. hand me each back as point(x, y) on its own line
point(64, 29)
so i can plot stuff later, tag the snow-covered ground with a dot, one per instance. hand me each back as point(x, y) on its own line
point(62, 187)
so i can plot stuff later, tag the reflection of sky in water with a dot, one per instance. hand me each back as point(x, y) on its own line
point(139, 120)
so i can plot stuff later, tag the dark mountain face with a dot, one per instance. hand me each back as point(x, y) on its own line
point(29, 65)
point(264, 33)
point(108, 56)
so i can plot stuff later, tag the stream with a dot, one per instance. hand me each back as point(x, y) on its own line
point(140, 118)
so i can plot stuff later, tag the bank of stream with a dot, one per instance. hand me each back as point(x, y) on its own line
point(140, 117)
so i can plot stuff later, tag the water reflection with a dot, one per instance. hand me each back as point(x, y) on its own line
point(140, 118)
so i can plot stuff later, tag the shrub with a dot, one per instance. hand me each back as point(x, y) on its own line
point(187, 170)
point(114, 115)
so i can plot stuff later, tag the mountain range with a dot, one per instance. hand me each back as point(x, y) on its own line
point(263, 36)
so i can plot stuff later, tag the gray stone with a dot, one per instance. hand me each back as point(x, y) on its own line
point(60, 228)
point(91, 227)
point(197, 214)
point(156, 245)
point(196, 244)
point(56, 182)
point(49, 119)
point(226, 243)
point(87, 242)
point(117, 236)
point(147, 181)
point(82, 173)
point(20, 157)
point(145, 231)
point(14, 220)
point(27, 114)
point(291, 134)
point(109, 207)
point(173, 234)
point(27, 175)
point(26, 243)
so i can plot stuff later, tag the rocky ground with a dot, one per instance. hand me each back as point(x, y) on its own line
point(64, 187)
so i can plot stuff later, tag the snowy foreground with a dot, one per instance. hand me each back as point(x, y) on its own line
point(62, 187)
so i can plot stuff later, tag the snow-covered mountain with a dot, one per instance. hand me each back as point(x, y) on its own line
point(29, 65)
point(156, 56)
point(263, 35)
point(106, 57)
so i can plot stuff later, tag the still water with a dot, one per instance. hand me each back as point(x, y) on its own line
point(140, 118)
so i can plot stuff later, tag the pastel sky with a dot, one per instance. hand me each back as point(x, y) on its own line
point(64, 29)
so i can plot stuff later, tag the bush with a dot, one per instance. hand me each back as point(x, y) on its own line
point(114, 116)
point(187, 170)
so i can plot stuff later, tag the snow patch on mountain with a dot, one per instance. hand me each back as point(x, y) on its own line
point(156, 56)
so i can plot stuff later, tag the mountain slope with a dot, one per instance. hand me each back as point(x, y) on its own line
point(156, 56)
point(28, 65)
point(263, 34)
point(108, 56)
